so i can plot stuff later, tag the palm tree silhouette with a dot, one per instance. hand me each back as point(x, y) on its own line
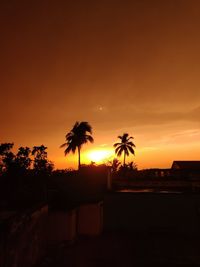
point(79, 135)
point(125, 146)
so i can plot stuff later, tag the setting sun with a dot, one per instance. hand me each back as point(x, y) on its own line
point(99, 155)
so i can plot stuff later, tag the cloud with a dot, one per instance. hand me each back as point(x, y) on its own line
point(127, 116)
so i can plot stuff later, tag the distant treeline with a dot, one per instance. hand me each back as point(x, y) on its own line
point(24, 175)
point(24, 159)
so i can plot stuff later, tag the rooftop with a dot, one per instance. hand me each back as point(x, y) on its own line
point(186, 165)
point(123, 249)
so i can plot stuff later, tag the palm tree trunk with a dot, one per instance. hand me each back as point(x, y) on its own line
point(79, 157)
point(124, 158)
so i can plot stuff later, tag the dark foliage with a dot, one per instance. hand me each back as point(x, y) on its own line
point(125, 146)
point(77, 137)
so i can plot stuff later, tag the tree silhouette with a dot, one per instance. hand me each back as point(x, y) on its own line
point(22, 158)
point(79, 135)
point(42, 168)
point(41, 163)
point(14, 163)
point(7, 158)
point(132, 166)
point(125, 146)
point(114, 164)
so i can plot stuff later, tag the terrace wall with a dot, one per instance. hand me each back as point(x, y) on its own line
point(152, 212)
point(23, 238)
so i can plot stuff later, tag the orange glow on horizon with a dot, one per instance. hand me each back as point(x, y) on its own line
point(100, 155)
point(156, 155)
point(139, 75)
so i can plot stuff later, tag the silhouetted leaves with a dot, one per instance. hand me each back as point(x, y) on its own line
point(7, 158)
point(41, 164)
point(125, 146)
point(23, 158)
point(114, 164)
point(77, 137)
point(20, 162)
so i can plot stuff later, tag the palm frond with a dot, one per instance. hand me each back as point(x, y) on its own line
point(77, 137)
point(63, 145)
point(118, 147)
point(130, 144)
point(126, 151)
point(85, 126)
point(89, 138)
point(69, 135)
point(125, 145)
point(70, 148)
point(118, 151)
point(131, 149)
point(117, 144)
point(124, 138)
point(75, 127)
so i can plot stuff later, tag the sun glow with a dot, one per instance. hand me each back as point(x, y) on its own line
point(99, 156)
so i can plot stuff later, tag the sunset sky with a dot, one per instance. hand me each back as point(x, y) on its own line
point(123, 66)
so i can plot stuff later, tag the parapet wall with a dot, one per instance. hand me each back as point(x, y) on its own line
point(152, 212)
point(23, 238)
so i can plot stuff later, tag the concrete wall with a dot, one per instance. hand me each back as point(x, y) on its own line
point(23, 238)
point(87, 185)
point(152, 212)
point(90, 219)
point(61, 226)
point(66, 225)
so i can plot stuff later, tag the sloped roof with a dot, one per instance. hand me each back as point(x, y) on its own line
point(186, 165)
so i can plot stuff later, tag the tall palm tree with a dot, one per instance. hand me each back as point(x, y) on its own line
point(79, 135)
point(125, 146)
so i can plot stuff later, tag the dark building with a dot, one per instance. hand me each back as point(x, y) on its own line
point(186, 165)
point(188, 169)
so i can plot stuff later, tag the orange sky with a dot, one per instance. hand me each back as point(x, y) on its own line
point(123, 66)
